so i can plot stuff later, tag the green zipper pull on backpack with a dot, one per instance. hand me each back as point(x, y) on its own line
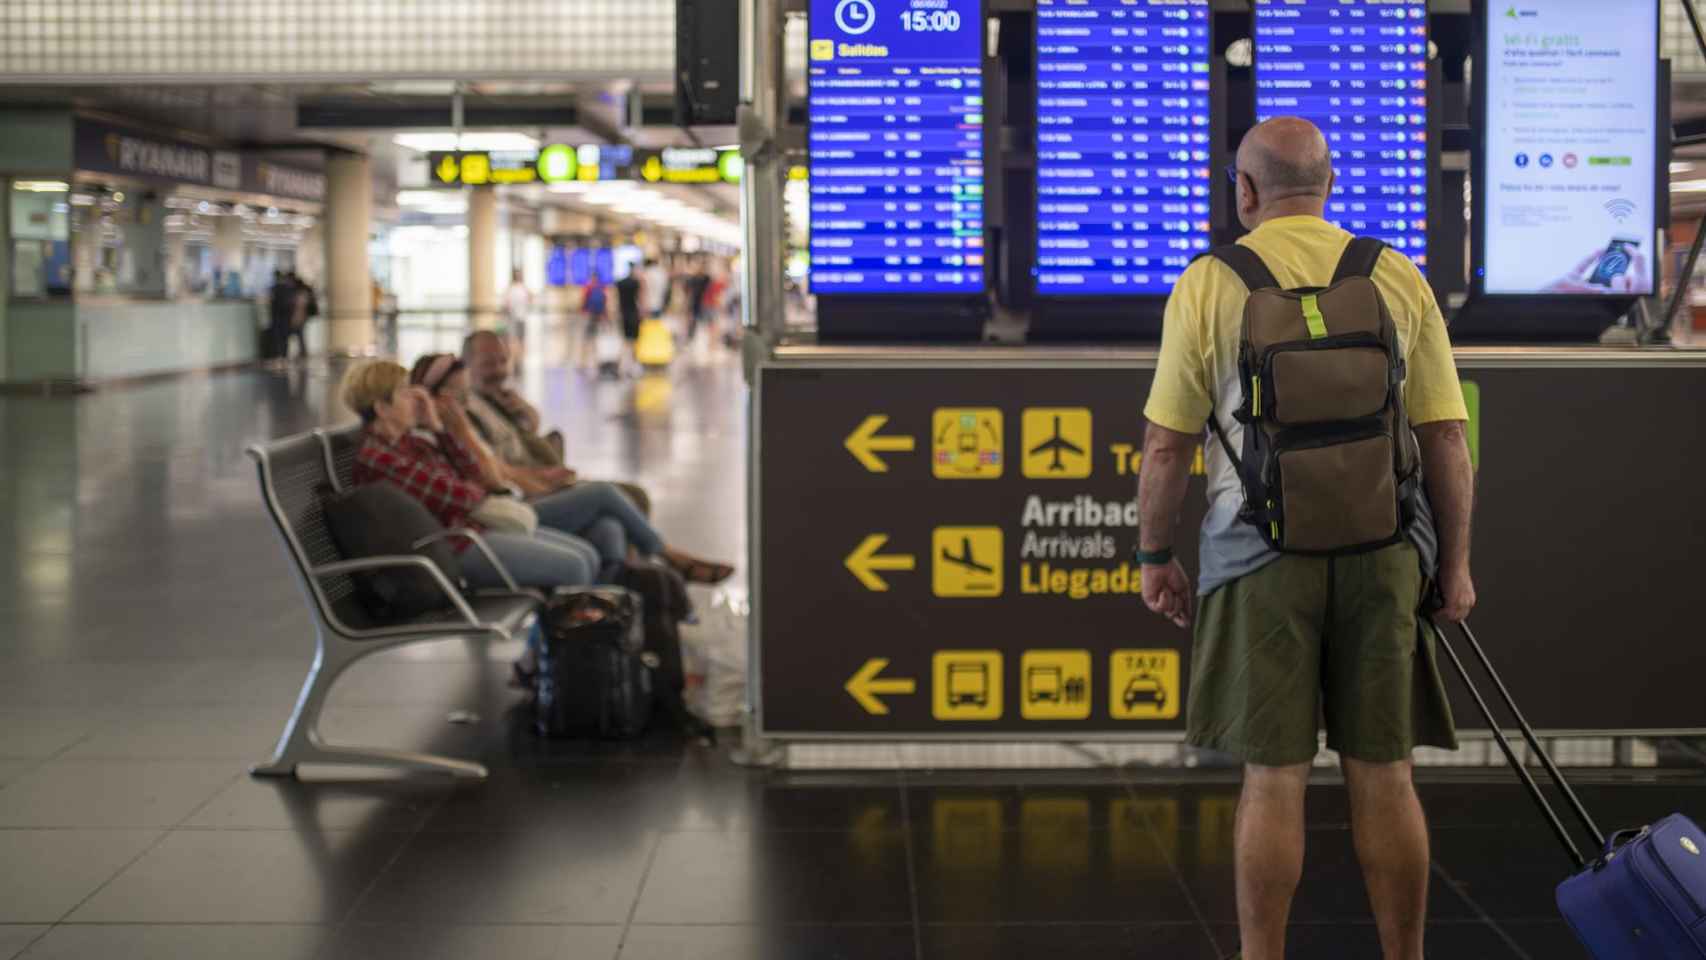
point(1312, 316)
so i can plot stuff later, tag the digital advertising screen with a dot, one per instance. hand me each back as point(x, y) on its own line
point(896, 169)
point(1123, 145)
point(1358, 69)
point(1566, 197)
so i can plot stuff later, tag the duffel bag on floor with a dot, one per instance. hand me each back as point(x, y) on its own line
point(593, 677)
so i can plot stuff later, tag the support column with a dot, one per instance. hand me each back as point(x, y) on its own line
point(228, 248)
point(482, 254)
point(349, 278)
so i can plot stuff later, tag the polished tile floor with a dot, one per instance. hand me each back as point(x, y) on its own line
point(151, 641)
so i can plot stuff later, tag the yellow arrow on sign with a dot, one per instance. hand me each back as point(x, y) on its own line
point(448, 169)
point(864, 562)
point(864, 444)
point(865, 686)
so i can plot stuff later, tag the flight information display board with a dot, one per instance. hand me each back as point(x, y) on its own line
point(1123, 151)
point(1359, 70)
point(896, 109)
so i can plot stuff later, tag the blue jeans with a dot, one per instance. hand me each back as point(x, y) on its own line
point(605, 517)
point(546, 560)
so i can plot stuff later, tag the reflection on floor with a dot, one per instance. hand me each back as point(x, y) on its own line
point(154, 641)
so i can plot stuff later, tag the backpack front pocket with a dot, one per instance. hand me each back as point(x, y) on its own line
point(1338, 493)
point(1317, 383)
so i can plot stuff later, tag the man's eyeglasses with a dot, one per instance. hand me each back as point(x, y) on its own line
point(1232, 173)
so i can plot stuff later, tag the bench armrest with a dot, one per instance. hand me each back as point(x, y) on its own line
point(365, 564)
point(480, 544)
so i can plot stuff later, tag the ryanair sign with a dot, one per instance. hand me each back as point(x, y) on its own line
point(109, 148)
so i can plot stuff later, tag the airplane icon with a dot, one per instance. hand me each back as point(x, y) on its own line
point(966, 558)
point(1057, 445)
point(966, 561)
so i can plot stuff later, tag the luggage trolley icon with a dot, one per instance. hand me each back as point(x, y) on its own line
point(968, 684)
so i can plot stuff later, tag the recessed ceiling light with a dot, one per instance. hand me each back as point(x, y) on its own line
point(497, 141)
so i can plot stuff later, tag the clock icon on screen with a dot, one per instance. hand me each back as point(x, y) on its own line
point(855, 16)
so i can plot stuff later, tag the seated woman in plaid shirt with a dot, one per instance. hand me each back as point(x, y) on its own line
point(408, 443)
point(595, 511)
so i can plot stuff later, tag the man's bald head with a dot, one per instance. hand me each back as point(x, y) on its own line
point(1286, 157)
point(487, 358)
point(477, 341)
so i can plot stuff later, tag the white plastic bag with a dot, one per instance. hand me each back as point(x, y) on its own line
point(715, 648)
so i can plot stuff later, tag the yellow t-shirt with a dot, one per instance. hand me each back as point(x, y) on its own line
point(1198, 368)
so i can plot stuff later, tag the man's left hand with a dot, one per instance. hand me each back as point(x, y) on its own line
point(1167, 590)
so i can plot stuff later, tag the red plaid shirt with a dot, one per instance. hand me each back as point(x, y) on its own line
point(442, 476)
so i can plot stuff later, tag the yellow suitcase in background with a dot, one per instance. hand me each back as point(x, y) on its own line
point(655, 346)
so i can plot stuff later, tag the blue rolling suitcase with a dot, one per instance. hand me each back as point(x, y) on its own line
point(1644, 896)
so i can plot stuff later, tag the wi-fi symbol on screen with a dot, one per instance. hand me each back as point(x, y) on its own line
point(1620, 209)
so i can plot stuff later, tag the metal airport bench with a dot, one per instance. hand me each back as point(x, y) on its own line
point(293, 472)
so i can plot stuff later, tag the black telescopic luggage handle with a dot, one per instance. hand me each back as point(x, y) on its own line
point(1557, 825)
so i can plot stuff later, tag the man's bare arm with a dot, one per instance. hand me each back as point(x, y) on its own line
point(1451, 489)
point(1166, 469)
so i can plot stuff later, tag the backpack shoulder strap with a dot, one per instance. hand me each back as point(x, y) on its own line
point(1246, 263)
point(1361, 256)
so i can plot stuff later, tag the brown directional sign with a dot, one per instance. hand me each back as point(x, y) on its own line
point(948, 552)
point(944, 551)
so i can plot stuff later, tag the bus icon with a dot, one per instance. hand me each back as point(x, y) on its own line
point(968, 684)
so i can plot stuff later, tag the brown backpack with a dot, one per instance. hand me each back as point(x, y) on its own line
point(1329, 459)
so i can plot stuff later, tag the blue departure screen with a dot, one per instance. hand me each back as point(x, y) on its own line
point(1122, 144)
point(896, 101)
point(1358, 69)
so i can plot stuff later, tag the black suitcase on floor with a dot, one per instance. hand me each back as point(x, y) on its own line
point(594, 679)
point(1644, 896)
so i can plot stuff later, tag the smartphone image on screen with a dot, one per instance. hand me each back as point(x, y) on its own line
point(1614, 262)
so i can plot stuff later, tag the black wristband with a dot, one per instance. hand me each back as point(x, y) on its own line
point(1152, 558)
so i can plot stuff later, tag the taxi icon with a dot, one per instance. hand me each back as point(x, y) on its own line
point(1144, 689)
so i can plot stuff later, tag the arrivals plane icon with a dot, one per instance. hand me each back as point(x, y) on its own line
point(1057, 445)
point(966, 558)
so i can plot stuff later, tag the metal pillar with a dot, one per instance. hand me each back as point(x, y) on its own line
point(760, 121)
point(1685, 279)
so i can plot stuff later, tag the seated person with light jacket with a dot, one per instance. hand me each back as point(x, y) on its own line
point(510, 425)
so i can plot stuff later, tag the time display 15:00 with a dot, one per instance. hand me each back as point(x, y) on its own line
point(930, 21)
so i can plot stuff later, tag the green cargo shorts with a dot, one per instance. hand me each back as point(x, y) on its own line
point(1307, 642)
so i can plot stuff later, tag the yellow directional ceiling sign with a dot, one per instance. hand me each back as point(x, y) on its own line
point(865, 562)
point(477, 167)
point(652, 169)
point(865, 687)
point(864, 444)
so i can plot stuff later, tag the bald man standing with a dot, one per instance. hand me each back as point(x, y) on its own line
point(1283, 640)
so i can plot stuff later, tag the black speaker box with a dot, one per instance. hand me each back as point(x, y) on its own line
point(707, 62)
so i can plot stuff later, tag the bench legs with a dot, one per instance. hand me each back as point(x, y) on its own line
point(301, 741)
